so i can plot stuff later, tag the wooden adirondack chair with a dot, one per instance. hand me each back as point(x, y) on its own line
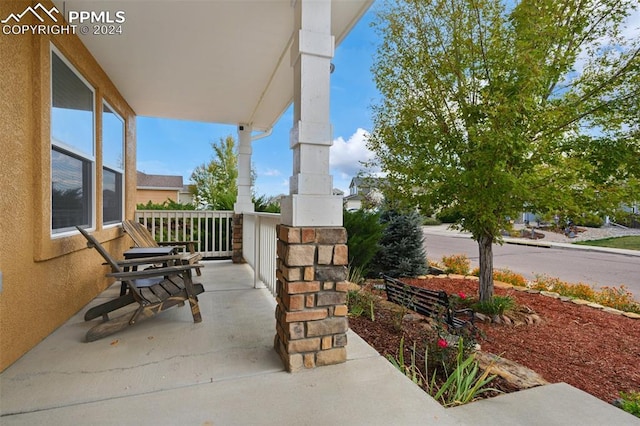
point(143, 238)
point(153, 289)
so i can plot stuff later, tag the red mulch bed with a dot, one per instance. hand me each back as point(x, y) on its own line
point(592, 350)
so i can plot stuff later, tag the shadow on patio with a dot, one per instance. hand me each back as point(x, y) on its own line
point(168, 370)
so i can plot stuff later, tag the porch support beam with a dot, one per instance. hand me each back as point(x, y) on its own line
point(244, 203)
point(310, 201)
point(311, 288)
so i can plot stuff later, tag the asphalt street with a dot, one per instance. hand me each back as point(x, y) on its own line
point(571, 265)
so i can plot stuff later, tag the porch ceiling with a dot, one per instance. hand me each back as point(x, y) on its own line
point(217, 61)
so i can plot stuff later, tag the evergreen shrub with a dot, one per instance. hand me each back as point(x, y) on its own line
point(401, 251)
point(363, 235)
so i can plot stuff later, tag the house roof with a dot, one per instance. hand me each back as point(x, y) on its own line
point(214, 61)
point(367, 181)
point(165, 182)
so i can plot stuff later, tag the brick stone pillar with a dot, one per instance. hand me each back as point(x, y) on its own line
point(236, 234)
point(311, 312)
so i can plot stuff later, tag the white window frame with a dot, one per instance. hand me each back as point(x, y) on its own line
point(114, 168)
point(65, 147)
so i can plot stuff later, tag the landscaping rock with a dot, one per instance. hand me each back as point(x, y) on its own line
point(500, 284)
point(481, 317)
point(514, 373)
point(580, 301)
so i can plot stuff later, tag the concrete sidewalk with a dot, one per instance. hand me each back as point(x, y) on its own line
point(223, 371)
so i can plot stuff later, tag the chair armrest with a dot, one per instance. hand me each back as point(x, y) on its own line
point(189, 245)
point(148, 260)
point(176, 243)
point(152, 272)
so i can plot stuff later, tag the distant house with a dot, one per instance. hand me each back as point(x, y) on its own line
point(158, 188)
point(359, 189)
point(186, 195)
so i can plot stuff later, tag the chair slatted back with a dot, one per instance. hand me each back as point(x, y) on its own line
point(139, 234)
point(93, 243)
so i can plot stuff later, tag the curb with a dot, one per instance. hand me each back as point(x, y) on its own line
point(573, 246)
point(527, 243)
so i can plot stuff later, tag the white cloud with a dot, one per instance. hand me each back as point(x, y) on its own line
point(272, 172)
point(632, 30)
point(346, 157)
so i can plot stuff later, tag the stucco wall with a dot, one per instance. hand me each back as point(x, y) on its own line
point(45, 281)
point(157, 196)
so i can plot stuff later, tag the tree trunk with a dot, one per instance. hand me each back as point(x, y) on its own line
point(485, 246)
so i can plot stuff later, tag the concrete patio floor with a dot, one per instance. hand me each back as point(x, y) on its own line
point(224, 371)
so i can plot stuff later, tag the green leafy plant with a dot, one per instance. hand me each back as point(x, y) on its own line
point(464, 384)
point(456, 264)
point(361, 303)
point(411, 370)
point(355, 275)
point(497, 305)
point(266, 204)
point(430, 221)
point(168, 204)
point(630, 402)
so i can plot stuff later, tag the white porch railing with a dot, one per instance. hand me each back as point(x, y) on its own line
point(259, 243)
point(211, 229)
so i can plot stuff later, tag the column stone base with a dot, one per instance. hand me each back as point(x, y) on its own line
point(236, 255)
point(311, 311)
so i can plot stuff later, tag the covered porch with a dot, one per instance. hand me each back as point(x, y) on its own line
point(168, 370)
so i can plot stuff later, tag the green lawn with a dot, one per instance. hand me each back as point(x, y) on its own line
point(629, 243)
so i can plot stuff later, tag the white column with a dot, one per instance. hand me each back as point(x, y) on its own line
point(243, 201)
point(310, 201)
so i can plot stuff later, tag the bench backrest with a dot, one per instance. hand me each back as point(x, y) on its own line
point(423, 301)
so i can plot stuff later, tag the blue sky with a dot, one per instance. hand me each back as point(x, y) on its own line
point(352, 94)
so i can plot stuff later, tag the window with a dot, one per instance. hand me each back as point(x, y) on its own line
point(70, 190)
point(72, 147)
point(113, 165)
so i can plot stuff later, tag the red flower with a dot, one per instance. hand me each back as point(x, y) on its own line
point(442, 343)
point(462, 295)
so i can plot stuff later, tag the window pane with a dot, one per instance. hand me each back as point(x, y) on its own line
point(111, 196)
point(112, 139)
point(70, 191)
point(71, 108)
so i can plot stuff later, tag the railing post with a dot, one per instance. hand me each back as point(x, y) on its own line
point(257, 249)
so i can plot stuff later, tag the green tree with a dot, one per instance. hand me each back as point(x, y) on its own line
point(491, 107)
point(215, 182)
point(401, 252)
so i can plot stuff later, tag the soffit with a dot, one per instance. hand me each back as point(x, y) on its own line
point(213, 61)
